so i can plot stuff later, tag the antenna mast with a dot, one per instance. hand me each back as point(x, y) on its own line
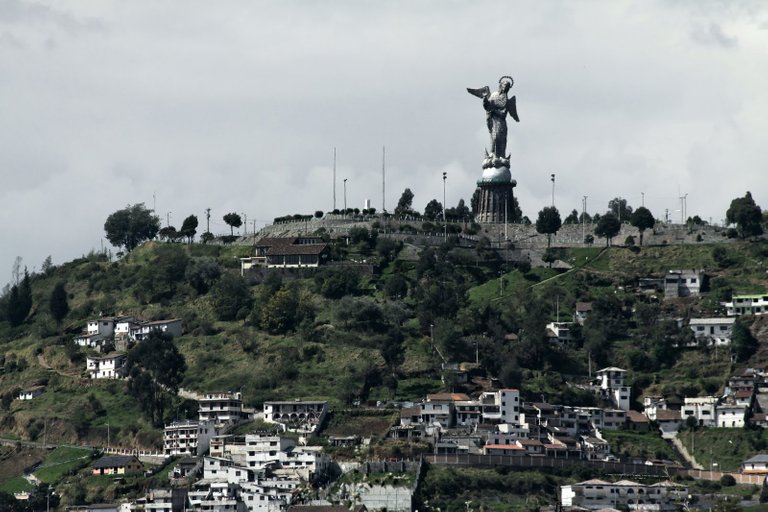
point(334, 178)
point(383, 178)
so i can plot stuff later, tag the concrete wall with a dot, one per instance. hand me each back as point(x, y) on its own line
point(521, 235)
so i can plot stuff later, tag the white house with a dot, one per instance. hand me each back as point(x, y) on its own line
point(600, 494)
point(502, 406)
point(298, 415)
point(682, 283)
point(104, 326)
point(91, 340)
point(226, 407)
point(731, 414)
point(651, 404)
point(30, 393)
point(561, 331)
point(106, 367)
point(582, 312)
point(611, 383)
point(188, 437)
point(747, 305)
point(703, 409)
point(123, 327)
point(608, 419)
point(716, 330)
point(757, 464)
point(141, 331)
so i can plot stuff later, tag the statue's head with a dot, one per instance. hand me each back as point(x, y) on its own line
point(505, 83)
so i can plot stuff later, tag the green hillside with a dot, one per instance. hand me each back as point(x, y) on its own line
point(377, 331)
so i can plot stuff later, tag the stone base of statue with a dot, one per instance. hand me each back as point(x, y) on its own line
point(495, 198)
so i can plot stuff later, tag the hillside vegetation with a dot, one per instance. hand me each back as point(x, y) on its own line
point(345, 333)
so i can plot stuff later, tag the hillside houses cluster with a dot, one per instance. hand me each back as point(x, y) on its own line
point(120, 331)
point(712, 331)
point(745, 399)
point(500, 423)
point(219, 412)
point(259, 472)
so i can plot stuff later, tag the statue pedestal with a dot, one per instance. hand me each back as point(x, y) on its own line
point(495, 202)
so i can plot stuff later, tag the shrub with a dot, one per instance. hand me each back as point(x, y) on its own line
point(727, 480)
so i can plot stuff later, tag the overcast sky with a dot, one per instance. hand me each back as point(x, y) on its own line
point(237, 106)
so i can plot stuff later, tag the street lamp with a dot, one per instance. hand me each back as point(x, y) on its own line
point(553, 190)
point(445, 223)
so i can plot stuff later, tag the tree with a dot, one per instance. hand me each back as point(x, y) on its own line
point(168, 233)
point(156, 368)
point(19, 301)
point(285, 310)
point(405, 203)
point(608, 227)
point(618, 206)
point(746, 215)
point(234, 221)
point(433, 210)
point(207, 237)
point(743, 343)
point(202, 274)
point(642, 219)
point(189, 228)
point(230, 295)
point(548, 222)
point(58, 303)
point(550, 256)
point(572, 218)
point(131, 226)
point(460, 213)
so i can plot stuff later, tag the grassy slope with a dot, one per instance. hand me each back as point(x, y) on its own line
point(247, 368)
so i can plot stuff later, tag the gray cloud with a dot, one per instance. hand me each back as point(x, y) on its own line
point(238, 108)
point(713, 33)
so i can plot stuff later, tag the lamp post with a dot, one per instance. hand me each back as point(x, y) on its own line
point(445, 223)
point(553, 190)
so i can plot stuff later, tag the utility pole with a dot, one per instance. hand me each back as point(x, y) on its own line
point(345, 197)
point(506, 203)
point(245, 222)
point(208, 220)
point(168, 219)
point(583, 219)
point(642, 194)
point(553, 190)
point(445, 223)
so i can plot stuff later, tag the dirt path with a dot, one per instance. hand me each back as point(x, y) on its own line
point(683, 451)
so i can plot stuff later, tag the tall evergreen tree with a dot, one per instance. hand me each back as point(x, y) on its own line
point(20, 301)
point(58, 303)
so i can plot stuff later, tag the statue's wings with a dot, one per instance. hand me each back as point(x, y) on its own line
point(480, 93)
point(512, 108)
